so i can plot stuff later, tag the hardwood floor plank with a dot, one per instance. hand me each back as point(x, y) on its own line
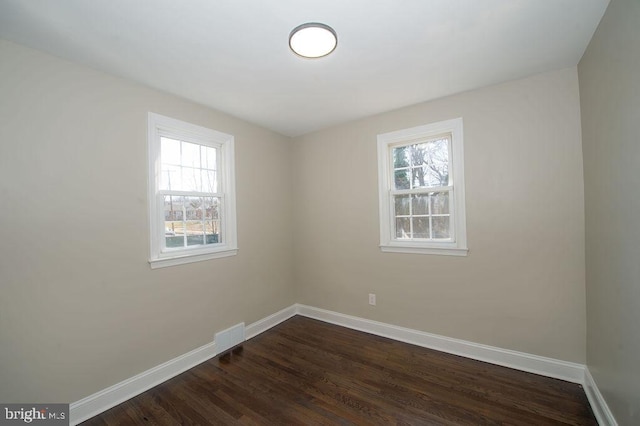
point(308, 372)
point(438, 390)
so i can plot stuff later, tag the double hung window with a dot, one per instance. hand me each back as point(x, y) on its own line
point(191, 192)
point(421, 189)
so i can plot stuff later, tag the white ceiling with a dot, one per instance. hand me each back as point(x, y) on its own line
point(233, 55)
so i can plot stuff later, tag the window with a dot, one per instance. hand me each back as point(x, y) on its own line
point(191, 193)
point(421, 190)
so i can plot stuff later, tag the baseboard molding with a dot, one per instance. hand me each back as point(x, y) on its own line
point(598, 404)
point(95, 404)
point(576, 373)
point(272, 320)
point(549, 367)
point(110, 397)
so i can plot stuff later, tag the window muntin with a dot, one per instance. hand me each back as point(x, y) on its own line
point(422, 164)
point(187, 166)
point(421, 189)
point(191, 192)
point(188, 186)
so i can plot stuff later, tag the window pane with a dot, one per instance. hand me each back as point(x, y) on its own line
point(441, 228)
point(195, 233)
point(170, 178)
point(188, 167)
point(192, 231)
point(428, 164)
point(174, 234)
point(173, 207)
point(439, 203)
point(173, 226)
point(402, 205)
point(401, 167)
point(211, 207)
point(402, 179)
point(416, 155)
point(209, 158)
point(209, 183)
point(420, 204)
point(420, 177)
point(191, 179)
point(170, 151)
point(193, 208)
point(403, 227)
point(421, 227)
point(438, 161)
point(212, 231)
point(190, 155)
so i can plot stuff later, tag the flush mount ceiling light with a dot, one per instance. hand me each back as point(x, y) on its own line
point(313, 40)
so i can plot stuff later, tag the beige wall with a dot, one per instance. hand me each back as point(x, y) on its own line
point(522, 285)
point(610, 104)
point(80, 309)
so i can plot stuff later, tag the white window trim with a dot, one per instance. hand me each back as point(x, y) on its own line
point(457, 246)
point(160, 125)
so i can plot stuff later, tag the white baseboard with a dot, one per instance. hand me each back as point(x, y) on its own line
point(571, 372)
point(549, 367)
point(110, 397)
point(264, 324)
point(95, 404)
point(598, 404)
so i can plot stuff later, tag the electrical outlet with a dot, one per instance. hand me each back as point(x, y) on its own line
point(372, 299)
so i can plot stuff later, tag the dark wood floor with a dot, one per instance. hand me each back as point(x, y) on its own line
point(308, 372)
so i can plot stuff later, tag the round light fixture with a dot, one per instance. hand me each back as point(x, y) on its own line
point(313, 40)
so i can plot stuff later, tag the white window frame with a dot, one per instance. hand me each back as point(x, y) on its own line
point(457, 244)
point(161, 126)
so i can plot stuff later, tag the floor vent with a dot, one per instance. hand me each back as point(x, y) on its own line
point(227, 339)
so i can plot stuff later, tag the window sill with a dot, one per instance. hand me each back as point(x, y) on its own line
point(190, 258)
point(446, 251)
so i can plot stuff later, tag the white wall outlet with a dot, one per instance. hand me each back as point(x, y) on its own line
point(372, 299)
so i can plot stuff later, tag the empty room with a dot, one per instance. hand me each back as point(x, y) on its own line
point(319, 212)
